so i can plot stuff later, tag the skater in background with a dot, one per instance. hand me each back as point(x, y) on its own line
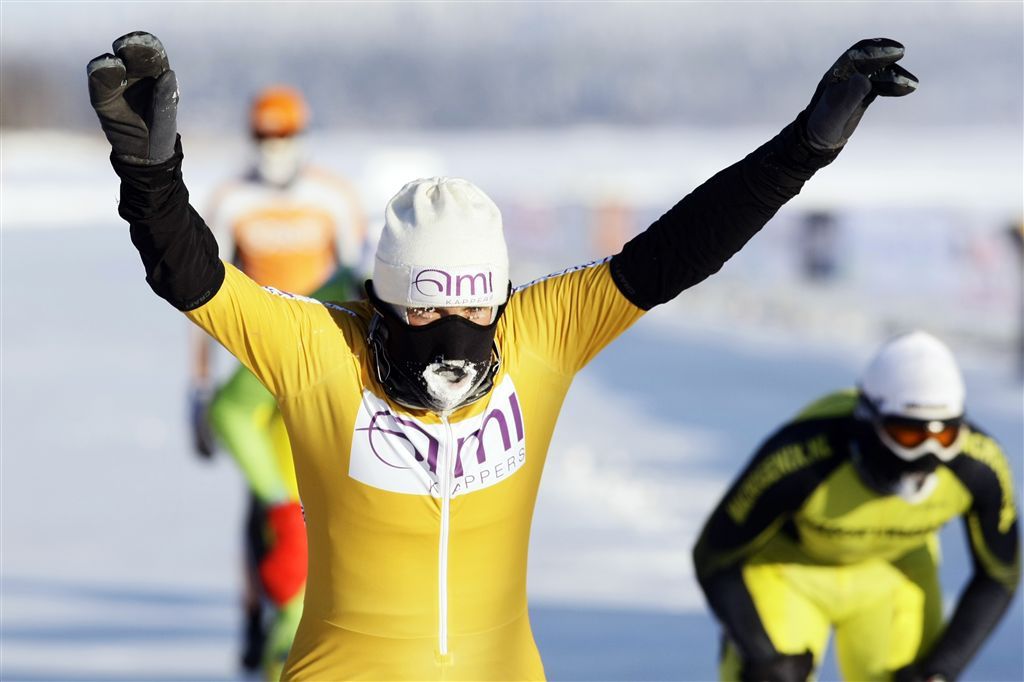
point(420, 420)
point(289, 225)
point(833, 526)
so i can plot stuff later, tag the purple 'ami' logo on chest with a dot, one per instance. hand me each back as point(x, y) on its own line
point(452, 286)
point(402, 454)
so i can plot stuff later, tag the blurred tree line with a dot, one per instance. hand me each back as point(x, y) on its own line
point(521, 64)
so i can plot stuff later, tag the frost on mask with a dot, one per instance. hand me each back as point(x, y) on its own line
point(450, 382)
point(441, 366)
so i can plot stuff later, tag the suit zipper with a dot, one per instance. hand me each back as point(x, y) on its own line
point(442, 554)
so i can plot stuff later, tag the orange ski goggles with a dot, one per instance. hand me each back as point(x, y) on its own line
point(910, 433)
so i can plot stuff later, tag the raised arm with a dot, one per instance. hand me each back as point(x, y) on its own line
point(700, 233)
point(135, 95)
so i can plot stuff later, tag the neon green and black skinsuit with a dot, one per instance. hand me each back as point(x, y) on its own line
point(800, 546)
point(419, 524)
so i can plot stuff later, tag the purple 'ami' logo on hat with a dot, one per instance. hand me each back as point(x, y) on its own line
point(460, 286)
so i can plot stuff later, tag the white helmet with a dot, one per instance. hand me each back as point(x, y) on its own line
point(915, 378)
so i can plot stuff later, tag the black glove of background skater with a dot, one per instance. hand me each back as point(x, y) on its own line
point(782, 668)
point(135, 95)
point(204, 442)
point(865, 71)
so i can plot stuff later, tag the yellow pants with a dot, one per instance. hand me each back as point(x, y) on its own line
point(884, 614)
point(245, 417)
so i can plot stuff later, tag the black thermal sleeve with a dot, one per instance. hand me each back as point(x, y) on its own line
point(732, 604)
point(178, 250)
point(700, 233)
point(982, 604)
point(994, 539)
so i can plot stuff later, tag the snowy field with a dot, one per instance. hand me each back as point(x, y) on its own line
point(120, 551)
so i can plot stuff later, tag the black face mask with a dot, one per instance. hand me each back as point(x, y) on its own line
point(402, 353)
point(881, 468)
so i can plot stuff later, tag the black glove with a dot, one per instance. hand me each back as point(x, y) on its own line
point(915, 673)
point(203, 440)
point(866, 70)
point(782, 668)
point(135, 95)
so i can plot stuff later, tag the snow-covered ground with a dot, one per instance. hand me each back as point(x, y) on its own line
point(120, 551)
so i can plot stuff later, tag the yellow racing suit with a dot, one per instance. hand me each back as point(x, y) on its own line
point(418, 525)
point(800, 546)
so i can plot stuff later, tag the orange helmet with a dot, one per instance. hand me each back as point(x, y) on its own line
point(278, 111)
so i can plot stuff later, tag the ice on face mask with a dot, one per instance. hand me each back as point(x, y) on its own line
point(449, 382)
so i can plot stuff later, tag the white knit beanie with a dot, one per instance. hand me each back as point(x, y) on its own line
point(442, 245)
